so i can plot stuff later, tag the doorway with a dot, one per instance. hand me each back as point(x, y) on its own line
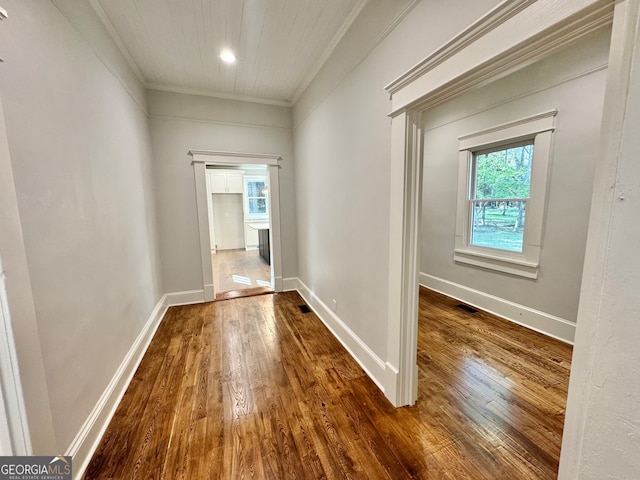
point(238, 206)
point(443, 75)
point(234, 175)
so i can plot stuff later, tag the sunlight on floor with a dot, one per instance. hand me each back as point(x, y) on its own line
point(239, 269)
point(241, 279)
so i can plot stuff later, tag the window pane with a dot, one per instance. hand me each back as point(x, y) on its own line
point(503, 173)
point(255, 189)
point(257, 205)
point(498, 225)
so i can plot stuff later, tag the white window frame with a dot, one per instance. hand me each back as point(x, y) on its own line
point(538, 128)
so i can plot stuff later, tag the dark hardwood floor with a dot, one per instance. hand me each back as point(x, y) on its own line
point(254, 388)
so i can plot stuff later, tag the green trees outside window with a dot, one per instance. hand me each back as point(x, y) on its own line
point(500, 189)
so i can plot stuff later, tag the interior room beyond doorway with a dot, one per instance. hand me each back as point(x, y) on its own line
point(238, 205)
point(240, 272)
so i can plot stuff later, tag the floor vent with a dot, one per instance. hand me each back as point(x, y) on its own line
point(304, 308)
point(466, 308)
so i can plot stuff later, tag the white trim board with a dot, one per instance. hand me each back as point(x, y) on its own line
point(203, 92)
point(14, 435)
point(499, 43)
point(481, 53)
point(373, 365)
point(536, 320)
point(538, 130)
point(90, 434)
point(177, 118)
point(187, 297)
point(289, 284)
point(202, 158)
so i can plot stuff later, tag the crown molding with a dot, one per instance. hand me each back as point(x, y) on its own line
point(111, 30)
point(495, 17)
point(311, 74)
point(538, 46)
point(358, 59)
point(214, 94)
point(552, 41)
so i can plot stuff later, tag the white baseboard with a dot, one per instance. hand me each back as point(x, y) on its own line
point(184, 298)
point(86, 441)
point(542, 322)
point(289, 284)
point(373, 365)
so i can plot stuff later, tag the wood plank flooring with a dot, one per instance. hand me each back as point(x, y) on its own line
point(237, 270)
point(243, 292)
point(254, 388)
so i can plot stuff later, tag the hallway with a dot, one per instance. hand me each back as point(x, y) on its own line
point(255, 388)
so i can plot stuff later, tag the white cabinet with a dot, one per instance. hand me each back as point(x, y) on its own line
point(218, 183)
point(225, 181)
point(235, 183)
point(251, 237)
point(225, 211)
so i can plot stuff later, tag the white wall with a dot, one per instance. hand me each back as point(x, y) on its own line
point(81, 158)
point(182, 122)
point(342, 148)
point(602, 424)
point(573, 81)
point(19, 327)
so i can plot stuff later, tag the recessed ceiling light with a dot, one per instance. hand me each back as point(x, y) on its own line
point(227, 56)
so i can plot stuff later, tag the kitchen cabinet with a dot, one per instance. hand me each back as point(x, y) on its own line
point(222, 181)
point(225, 181)
point(251, 237)
point(263, 245)
point(262, 230)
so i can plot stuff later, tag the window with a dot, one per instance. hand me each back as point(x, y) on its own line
point(256, 198)
point(502, 182)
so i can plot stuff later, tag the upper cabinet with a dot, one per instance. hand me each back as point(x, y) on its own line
point(225, 181)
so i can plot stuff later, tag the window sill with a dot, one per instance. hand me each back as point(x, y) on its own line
point(501, 263)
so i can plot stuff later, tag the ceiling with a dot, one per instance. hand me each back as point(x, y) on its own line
point(280, 44)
